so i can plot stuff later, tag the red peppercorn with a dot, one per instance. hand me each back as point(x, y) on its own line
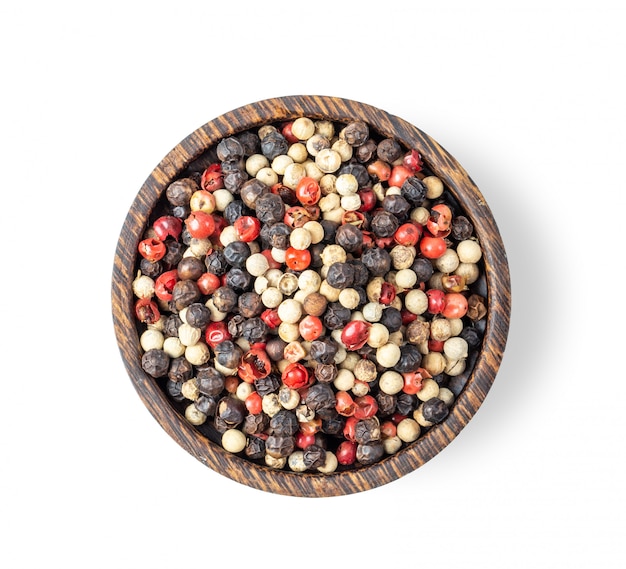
point(355, 334)
point(407, 317)
point(216, 333)
point(304, 440)
point(208, 283)
point(355, 218)
point(255, 364)
point(308, 191)
point(412, 382)
point(297, 259)
point(273, 263)
point(314, 425)
point(147, 311)
point(368, 199)
point(398, 175)
point(440, 220)
point(271, 318)
point(212, 178)
point(408, 234)
point(254, 403)
point(432, 247)
point(436, 300)
point(295, 376)
point(388, 429)
point(248, 228)
point(387, 293)
point(435, 345)
point(310, 328)
point(456, 305)
point(344, 404)
point(152, 249)
point(379, 169)
point(164, 284)
point(366, 406)
point(288, 134)
point(412, 160)
point(167, 226)
point(297, 216)
point(200, 224)
point(349, 428)
point(346, 453)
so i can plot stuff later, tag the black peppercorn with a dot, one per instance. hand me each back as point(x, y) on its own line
point(229, 149)
point(396, 205)
point(324, 350)
point(270, 208)
point(316, 251)
point(320, 396)
point(275, 348)
point(267, 385)
point(389, 150)
point(391, 319)
point(239, 280)
point(472, 336)
point(336, 316)
point(359, 171)
point(413, 190)
point(278, 235)
point(250, 142)
point(254, 330)
point(314, 456)
point(174, 390)
point(236, 253)
point(367, 430)
point(228, 354)
point(361, 274)
point(216, 263)
point(325, 373)
point(210, 381)
point(198, 315)
point(180, 369)
point(284, 423)
point(231, 410)
point(405, 403)
point(234, 210)
point(234, 175)
point(369, 453)
point(150, 269)
point(185, 293)
point(206, 405)
point(349, 237)
point(434, 410)
point(330, 230)
point(333, 424)
point(355, 133)
point(171, 325)
point(279, 447)
point(254, 424)
point(180, 191)
point(255, 449)
point(251, 190)
point(174, 253)
point(423, 268)
point(190, 268)
point(155, 363)
point(366, 151)
point(340, 275)
point(273, 144)
point(250, 304)
point(461, 228)
point(384, 224)
point(225, 299)
point(377, 261)
point(410, 359)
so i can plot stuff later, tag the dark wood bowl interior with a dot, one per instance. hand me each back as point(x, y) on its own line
point(496, 285)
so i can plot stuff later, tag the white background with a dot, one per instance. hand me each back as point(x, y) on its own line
point(529, 99)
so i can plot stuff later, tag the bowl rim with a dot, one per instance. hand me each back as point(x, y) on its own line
point(446, 167)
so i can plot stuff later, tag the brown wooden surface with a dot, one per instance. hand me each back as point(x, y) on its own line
point(496, 273)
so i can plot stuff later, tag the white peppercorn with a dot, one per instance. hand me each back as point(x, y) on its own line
point(430, 389)
point(276, 463)
point(326, 128)
point(290, 311)
point(194, 416)
point(143, 286)
point(271, 404)
point(418, 415)
point(287, 283)
point(446, 396)
point(303, 128)
point(344, 380)
point(416, 301)
point(351, 361)
point(456, 326)
point(351, 203)
point(434, 187)
point(188, 335)
point(372, 311)
point(279, 255)
point(360, 388)
point(222, 198)
point(328, 160)
point(402, 257)
point(271, 297)
point(197, 354)
point(295, 461)
point(327, 184)
point(388, 355)
point(440, 329)
point(261, 284)
point(312, 170)
point(267, 175)
point(392, 444)
point(408, 430)
point(309, 281)
point(406, 278)
point(257, 264)
point(288, 398)
point(329, 292)
point(199, 247)
point(391, 382)
point(228, 235)
point(244, 389)
point(288, 332)
point(343, 148)
point(378, 335)
point(469, 251)
point(293, 174)
point(330, 465)
point(234, 440)
point(335, 215)
point(151, 339)
point(256, 162)
point(350, 298)
point(173, 347)
point(316, 231)
point(189, 390)
point(280, 163)
point(434, 362)
point(455, 367)
point(329, 203)
point(448, 262)
point(298, 152)
point(420, 215)
point(346, 184)
point(455, 348)
point(469, 271)
point(300, 239)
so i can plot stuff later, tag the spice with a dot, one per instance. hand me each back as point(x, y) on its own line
point(310, 296)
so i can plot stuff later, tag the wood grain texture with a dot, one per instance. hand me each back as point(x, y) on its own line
point(496, 275)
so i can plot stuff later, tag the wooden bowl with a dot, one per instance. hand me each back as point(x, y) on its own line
point(496, 285)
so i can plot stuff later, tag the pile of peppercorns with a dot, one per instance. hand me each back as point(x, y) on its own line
point(307, 295)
